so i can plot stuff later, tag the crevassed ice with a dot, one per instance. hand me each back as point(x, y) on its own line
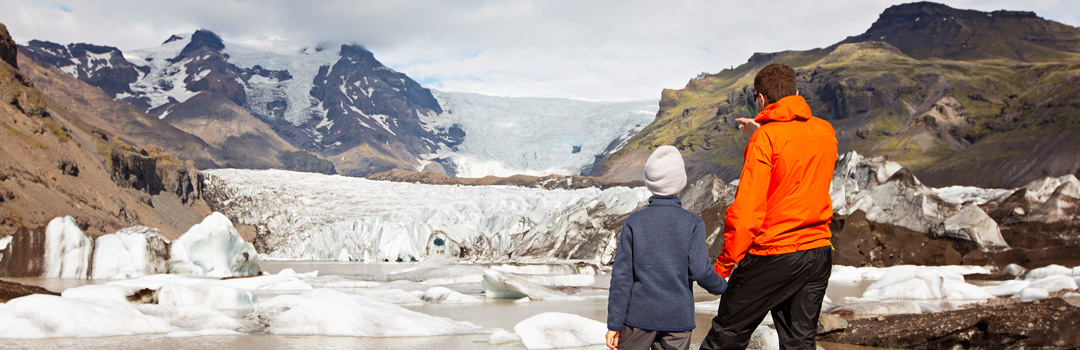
point(536, 136)
point(321, 217)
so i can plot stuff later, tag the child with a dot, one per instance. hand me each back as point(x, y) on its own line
point(661, 252)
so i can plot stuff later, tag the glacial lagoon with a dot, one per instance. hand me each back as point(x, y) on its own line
point(847, 286)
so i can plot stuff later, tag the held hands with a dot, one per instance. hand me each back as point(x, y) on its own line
point(747, 126)
point(612, 339)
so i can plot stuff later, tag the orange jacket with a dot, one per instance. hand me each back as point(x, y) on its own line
point(782, 204)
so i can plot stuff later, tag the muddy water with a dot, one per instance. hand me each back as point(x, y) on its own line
point(490, 314)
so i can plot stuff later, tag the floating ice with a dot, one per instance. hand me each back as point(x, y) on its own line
point(202, 333)
point(129, 253)
point(1014, 270)
point(192, 318)
point(1006, 288)
point(393, 296)
point(707, 306)
point(446, 296)
point(553, 268)
point(115, 293)
point(328, 312)
point(1047, 271)
point(67, 249)
point(501, 336)
point(552, 330)
point(437, 269)
point(206, 295)
point(846, 274)
point(1031, 294)
point(923, 284)
point(213, 248)
point(886, 308)
point(47, 316)
point(764, 338)
point(1055, 283)
point(502, 286)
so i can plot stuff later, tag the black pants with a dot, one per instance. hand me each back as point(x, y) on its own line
point(791, 286)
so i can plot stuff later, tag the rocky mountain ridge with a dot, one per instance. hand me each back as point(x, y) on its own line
point(340, 104)
point(57, 164)
point(958, 97)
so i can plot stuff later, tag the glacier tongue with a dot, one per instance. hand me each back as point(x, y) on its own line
point(320, 217)
point(546, 135)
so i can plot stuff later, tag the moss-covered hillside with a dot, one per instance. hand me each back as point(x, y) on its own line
point(958, 96)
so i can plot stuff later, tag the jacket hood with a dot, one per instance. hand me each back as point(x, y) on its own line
point(787, 109)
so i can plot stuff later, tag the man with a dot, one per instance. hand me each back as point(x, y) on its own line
point(777, 229)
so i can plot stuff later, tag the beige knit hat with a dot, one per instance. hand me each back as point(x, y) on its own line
point(665, 172)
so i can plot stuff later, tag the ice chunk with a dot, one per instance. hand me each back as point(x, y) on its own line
point(213, 248)
point(129, 253)
point(206, 295)
point(329, 312)
point(192, 317)
point(503, 286)
point(438, 269)
point(1055, 283)
point(846, 274)
point(707, 306)
point(552, 330)
point(48, 316)
point(1014, 270)
point(1047, 271)
point(502, 336)
point(923, 284)
point(67, 249)
point(561, 280)
point(764, 338)
point(1006, 288)
point(203, 333)
point(100, 292)
point(886, 308)
point(446, 296)
point(393, 296)
point(1031, 294)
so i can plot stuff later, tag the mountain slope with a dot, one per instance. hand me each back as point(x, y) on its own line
point(55, 164)
point(981, 115)
point(342, 104)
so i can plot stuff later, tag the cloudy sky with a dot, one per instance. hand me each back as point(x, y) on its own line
point(599, 50)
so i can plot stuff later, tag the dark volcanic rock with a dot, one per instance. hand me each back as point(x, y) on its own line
point(1044, 324)
point(8, 50)
point(12, 290)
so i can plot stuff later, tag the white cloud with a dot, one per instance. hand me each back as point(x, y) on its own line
point(608, 49)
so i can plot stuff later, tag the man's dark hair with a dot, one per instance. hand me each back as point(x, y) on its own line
point(775, 81)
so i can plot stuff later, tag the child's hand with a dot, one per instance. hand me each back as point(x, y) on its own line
point(612, 339)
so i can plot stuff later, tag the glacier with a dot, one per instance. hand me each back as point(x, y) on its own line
point(507, 136)
point(328, 217)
